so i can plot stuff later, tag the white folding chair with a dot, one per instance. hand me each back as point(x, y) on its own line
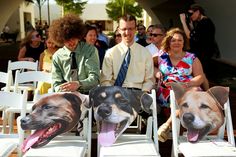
point(211, 145)
point(67, 145)
point(9, 142)
point(24, 77)
point(6, 78)
point(21, 66)
point(138, 145)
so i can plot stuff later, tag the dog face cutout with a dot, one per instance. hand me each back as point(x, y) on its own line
point(201, 112)
point(53, 115)
point(115, 108)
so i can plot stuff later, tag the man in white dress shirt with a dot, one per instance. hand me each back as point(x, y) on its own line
point(157, 35)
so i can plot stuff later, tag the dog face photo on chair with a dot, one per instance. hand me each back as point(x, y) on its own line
point(53, 115)
point(115, 108)
point(201, 112)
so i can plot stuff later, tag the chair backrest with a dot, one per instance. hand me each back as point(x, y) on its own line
point(6, 78)
point(31, 76)
point(18, 65)
point(12, 99)
point(227, 126)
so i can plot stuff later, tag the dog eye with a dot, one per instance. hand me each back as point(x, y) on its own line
point(204, 106)
point(122, 100)
point(184, 105)
point(46, 107)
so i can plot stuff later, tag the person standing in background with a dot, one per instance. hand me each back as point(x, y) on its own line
point(201, 34)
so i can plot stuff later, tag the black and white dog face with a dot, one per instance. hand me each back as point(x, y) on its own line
point(115, 108)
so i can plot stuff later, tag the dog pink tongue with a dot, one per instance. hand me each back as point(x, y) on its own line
point(107, 135)
point(193, 135)
point(31, 140)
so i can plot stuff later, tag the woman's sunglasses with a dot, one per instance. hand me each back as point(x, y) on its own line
point(35, 36)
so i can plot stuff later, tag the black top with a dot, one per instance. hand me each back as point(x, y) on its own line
point(202, 39)
point(34, 52)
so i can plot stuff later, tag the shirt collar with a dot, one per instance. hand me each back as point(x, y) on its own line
point(125, 47)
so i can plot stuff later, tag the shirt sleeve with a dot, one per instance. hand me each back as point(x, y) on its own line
point(149, 74)
point(57, 76)
point(107, 70)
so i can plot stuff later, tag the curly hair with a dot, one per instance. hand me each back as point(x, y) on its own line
point(65, 28)
point(165, 45)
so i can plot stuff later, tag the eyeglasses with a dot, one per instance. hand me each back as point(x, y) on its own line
point(117, 35)
point(155, 35)
point(190, 13)
point(127, 29)
point(35, 36)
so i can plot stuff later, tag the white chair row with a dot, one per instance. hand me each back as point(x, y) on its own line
point(19, 86)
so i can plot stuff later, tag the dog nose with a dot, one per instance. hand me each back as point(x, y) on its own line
point(188, 118)
point(104, 111)
point(25, 120)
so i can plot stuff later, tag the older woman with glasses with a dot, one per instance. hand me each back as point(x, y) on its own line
point(31, 47)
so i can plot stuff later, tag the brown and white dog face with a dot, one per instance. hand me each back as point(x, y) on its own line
point(115, 108)
point(53, 115)
point(201, 112)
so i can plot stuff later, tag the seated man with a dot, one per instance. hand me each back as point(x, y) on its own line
point(139, 73)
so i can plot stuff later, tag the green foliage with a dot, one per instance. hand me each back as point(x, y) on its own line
point(117, 8)
point(72, 6)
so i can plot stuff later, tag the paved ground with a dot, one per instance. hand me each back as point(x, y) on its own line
point(221, 74)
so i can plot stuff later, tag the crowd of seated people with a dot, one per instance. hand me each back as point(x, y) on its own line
point(155, 57)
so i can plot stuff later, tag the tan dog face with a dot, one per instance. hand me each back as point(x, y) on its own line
point(51, 116)
point(201, 112)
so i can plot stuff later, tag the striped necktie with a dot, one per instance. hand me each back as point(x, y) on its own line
point(73, 67)
point(123, 70)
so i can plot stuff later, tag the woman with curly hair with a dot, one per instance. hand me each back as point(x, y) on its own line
point(75, 66)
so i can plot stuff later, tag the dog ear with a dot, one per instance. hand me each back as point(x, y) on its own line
point(91, 96)
point(74, 100)
point(221, 94)
point(178, 90)
point(146, 102)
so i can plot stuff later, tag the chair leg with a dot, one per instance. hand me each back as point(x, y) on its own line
point(11, 121)
point(4, 123)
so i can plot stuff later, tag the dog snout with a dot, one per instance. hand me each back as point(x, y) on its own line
point(24, 121)
point(104, 111)
point(188, 118)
